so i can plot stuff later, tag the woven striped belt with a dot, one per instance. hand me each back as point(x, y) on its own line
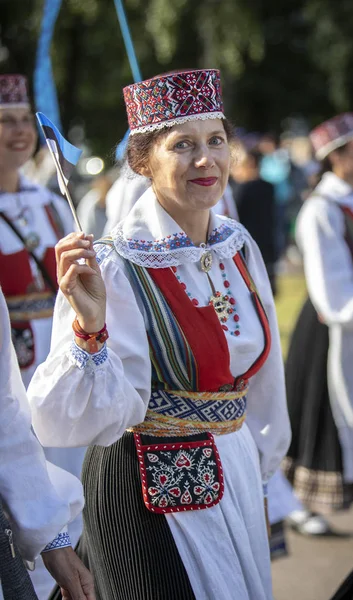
point(36, 305)
point(180, 413)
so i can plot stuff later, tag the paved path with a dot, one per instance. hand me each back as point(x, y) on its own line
point(315, 567)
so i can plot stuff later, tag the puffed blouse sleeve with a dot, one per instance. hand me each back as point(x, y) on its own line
point(327, 260)
point(79, 399)
point(38, 497)
point(267, 415)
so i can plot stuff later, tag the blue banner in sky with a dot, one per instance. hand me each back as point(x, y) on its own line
point(134, 66)
point(45, 96)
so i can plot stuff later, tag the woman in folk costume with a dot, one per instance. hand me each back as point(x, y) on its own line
point(32, 220)
point(319, 371)
point(183, 404)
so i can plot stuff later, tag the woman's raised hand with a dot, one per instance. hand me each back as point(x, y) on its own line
point(81, 283)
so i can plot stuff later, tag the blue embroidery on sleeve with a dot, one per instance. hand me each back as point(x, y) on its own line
point(81, 358)
point(62, 540)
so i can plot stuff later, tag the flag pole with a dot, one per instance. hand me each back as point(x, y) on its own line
point(67, 193)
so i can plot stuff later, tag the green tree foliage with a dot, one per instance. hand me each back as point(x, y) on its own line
point(331, 47)
point(278, 59)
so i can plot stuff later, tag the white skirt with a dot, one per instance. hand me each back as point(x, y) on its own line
point(225, 549)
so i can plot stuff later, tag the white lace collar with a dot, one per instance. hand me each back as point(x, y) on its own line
point(335, 189)
point(149, 237)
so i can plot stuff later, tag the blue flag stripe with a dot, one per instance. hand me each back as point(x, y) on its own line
point(67, 151)
point(66, 166)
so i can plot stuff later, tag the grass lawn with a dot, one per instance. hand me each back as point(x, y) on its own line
point(290, 297)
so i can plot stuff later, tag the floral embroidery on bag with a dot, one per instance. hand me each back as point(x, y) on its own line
point(180, 476)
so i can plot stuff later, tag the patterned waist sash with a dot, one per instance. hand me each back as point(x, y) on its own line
point(180, 413)
point(36, 305)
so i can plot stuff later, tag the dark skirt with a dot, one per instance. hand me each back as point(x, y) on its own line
point(129, 550)
point(314, 461)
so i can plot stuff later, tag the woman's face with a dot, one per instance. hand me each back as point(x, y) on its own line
point(18, 137)
point(189, 166)
point(347, 160)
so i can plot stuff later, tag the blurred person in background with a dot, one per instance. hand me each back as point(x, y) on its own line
point(32, 220)
point(123, 195)
point(319, 374)
point(275, 168)
point(91, 210)
point(37, 499)
point(298, 181)
point(255, 202)
point(309, 169)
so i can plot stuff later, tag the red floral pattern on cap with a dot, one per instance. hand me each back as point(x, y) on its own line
point(161, 100)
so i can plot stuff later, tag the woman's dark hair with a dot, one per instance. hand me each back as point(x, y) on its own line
point(140, 145)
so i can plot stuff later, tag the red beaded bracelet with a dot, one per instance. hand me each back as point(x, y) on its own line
point(91, 338)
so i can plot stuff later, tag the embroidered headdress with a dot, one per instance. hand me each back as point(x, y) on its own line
point(332, 134)
point(167, 100)
point(13, 91)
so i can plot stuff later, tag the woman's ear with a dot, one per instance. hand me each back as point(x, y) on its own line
point(146, 172)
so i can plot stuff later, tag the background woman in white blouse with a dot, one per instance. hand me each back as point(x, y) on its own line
point(319, 373)
point(190, 347)
point(37, 499)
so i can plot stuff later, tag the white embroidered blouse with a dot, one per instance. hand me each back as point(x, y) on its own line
point(79, 399)
point(30, 201)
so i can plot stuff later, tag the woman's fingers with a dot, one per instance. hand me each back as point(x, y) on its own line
point(73, 241)
point(92, 262)
point(72, 248)
point(68, 281)
point(80, 279)
point(70, 257)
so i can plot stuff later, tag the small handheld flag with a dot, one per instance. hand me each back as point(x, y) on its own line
point(65, 156)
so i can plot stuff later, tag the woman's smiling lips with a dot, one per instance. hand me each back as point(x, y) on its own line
point(18, 146)
point(206, 181)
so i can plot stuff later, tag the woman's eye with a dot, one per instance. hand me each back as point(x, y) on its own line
point(181, 145)
point(216, 141)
